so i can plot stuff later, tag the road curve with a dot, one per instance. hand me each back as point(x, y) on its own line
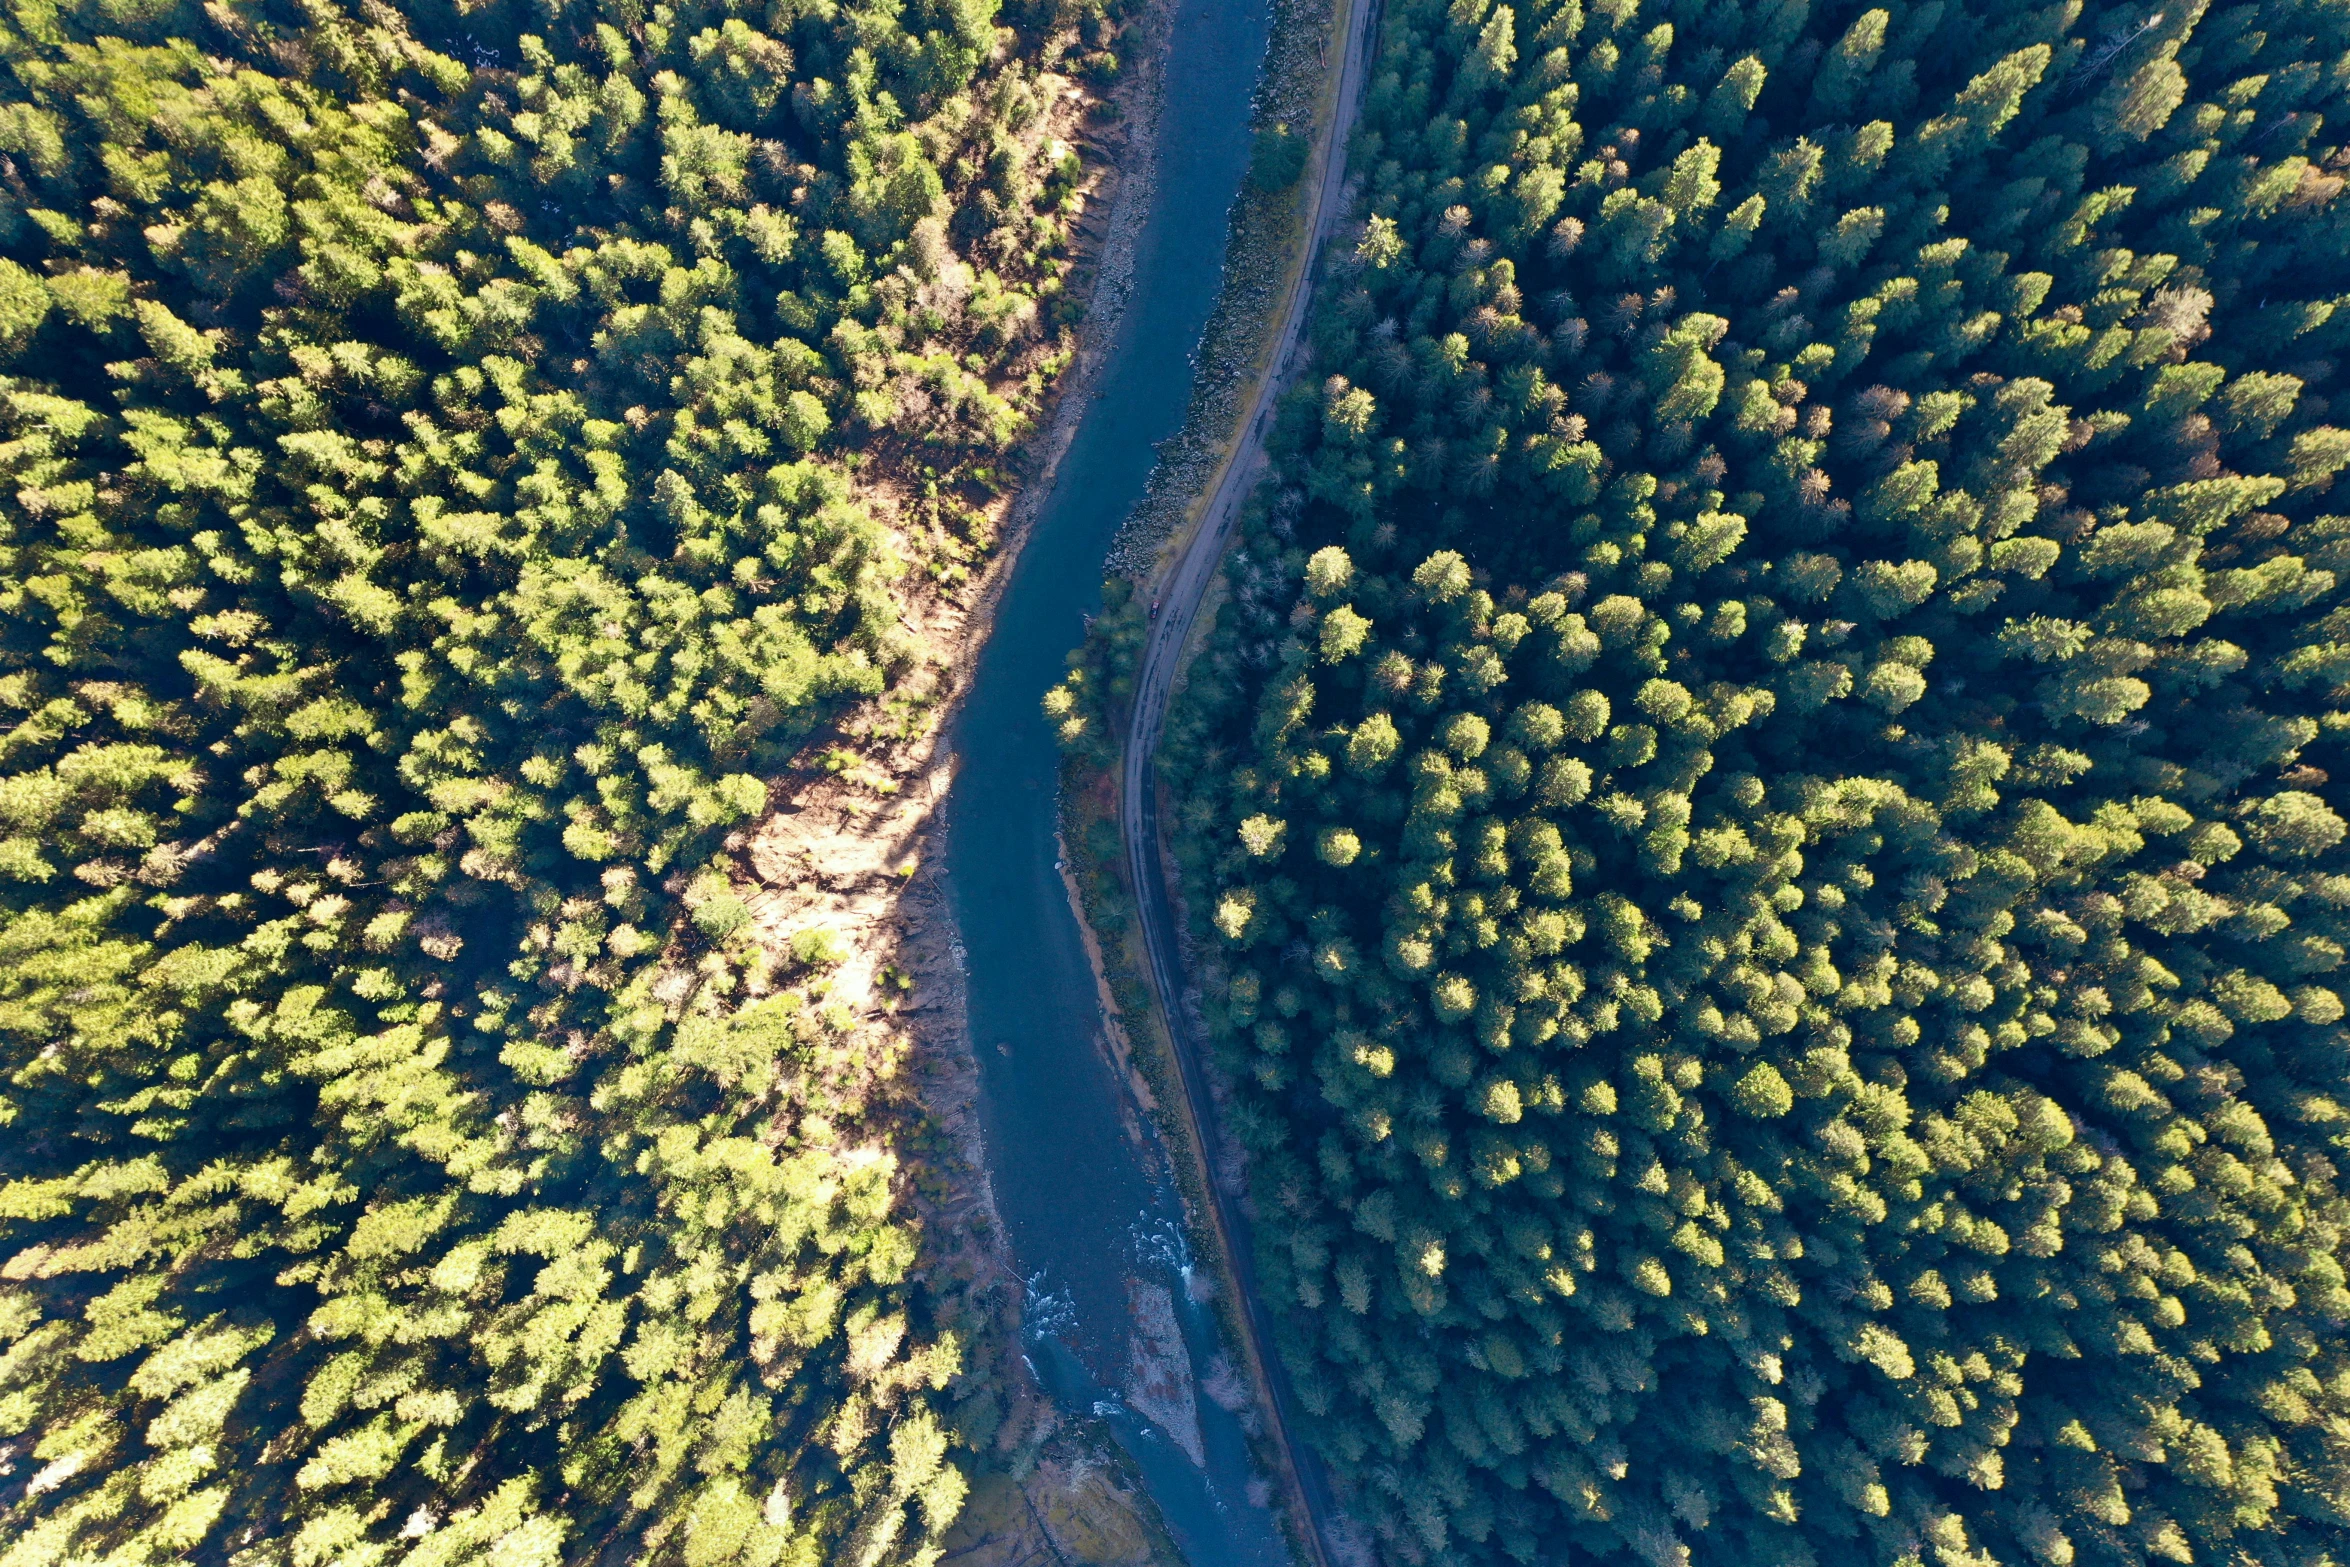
point(1180, 594)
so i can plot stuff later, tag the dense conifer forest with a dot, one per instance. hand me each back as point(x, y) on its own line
point(1767, 789)
point(442, 447)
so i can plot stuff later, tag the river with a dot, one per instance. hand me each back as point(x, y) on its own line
point(1080, 1179)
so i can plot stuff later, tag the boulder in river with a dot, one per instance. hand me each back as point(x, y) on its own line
point(1158, 1369)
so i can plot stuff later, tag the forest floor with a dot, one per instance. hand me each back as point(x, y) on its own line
point(852, 852)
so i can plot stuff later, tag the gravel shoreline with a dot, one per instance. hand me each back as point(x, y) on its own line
point(1256, 262)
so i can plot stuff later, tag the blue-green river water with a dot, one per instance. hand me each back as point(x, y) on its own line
point(1087, 1201)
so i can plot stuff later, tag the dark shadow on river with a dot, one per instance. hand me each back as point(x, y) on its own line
point(1088, 1206)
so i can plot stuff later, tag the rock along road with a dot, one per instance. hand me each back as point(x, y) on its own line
point(1180, 595)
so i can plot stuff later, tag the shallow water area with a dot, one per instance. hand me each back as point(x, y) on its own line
point(1094, 1222)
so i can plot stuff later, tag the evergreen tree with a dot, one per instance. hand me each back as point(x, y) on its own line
point(1765, 790)
point(430, 518)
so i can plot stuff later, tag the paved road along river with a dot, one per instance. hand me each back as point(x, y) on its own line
point(1083, 1189)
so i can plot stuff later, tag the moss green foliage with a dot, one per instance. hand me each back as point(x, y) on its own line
point(1276, 158)
point(431, 443)
point(1767, 790)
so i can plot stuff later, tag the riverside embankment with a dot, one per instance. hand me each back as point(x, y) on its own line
point(1117, 1319)
point(1179, 589)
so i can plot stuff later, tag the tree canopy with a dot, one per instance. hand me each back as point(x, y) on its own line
point(440, 447)
point(1766, 790)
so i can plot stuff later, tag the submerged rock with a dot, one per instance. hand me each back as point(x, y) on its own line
point(1158, 1369)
